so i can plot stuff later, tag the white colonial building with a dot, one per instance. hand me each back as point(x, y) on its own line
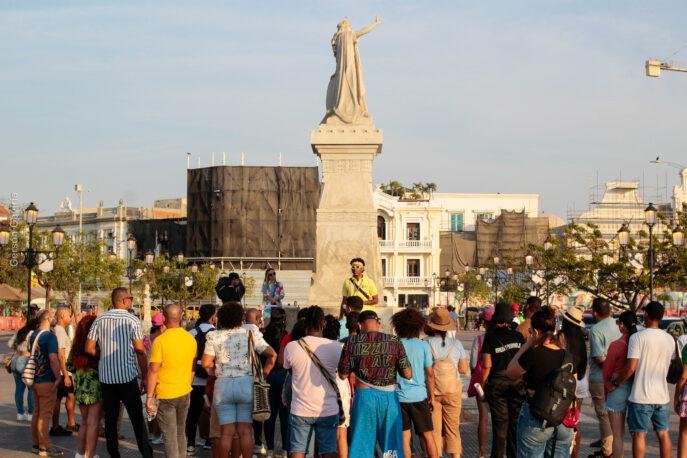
point(110, 224)
point(409, 237)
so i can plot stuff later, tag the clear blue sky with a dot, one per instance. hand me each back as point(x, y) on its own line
point(526, 96)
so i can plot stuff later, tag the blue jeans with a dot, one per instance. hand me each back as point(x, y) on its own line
point(535, 441)
point(18, 364)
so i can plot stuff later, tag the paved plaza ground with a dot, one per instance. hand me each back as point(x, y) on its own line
point(15, 438)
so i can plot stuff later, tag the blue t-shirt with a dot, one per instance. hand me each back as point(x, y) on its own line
point(46, 344)
point(420, 356)
point(343, 330)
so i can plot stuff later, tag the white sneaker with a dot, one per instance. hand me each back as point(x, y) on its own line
point(78, 455)
point(190, 450)
point(28, 417)
point(259, 450)
point(21, 417)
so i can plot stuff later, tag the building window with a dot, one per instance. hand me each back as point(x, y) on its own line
point(413, 267)
point(487, 217)
point(457, 222)
point(381, 227)
point(383, 267)
point(412, 231)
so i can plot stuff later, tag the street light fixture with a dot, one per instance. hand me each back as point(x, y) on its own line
point(678, 236)
point(30, 258)
point(149, 257)
point(624, 235)
point(4, 236)
point(496, 279)
point(31, 214)
point(650, 214)
point(131, 246)
point(529, 260)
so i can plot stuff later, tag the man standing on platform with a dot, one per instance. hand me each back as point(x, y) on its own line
point(360, 285)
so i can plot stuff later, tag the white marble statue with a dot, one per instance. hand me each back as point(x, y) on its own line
point(346, 91)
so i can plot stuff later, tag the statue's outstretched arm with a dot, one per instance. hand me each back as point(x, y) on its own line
point(369, 28)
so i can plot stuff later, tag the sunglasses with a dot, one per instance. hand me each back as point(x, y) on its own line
point(271, 274)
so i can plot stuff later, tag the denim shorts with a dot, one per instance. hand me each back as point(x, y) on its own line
point(639, 416)
point(233, 399)
point(616, 401)
point(301, 428)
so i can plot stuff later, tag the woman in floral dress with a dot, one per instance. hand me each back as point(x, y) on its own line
point(86, 390)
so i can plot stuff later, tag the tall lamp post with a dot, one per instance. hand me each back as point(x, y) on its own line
point(623, 239)
point(547, 246)
point(650, 214)
point(497, 260)
point(130, 246)
point(30, 254)
point(529, 262)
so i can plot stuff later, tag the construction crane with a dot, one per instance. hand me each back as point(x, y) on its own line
point(654, 67)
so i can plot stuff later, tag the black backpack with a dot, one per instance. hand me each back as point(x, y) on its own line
point(553, 398)
point(201, 338)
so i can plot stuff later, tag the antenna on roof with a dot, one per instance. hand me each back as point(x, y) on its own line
point(188, 160)
point(280, 159)
point(224, 158)
point(198, 161)
point(213, 158)
point(243, 158)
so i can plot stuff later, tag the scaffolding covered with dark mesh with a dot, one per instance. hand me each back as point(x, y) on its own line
point(256, 213)
point(509, 236)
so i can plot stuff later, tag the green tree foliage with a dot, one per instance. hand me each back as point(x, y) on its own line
point(86, 263)
point(168, 281)
point(581, 259)
point(417, 191)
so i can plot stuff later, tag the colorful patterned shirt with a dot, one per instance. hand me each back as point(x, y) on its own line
point(374, 357)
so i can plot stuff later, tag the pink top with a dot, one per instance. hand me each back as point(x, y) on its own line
point(616, 357)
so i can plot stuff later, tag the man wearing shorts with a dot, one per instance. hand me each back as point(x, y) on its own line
point(648, 358)
point(375, 358)
point(315, 401)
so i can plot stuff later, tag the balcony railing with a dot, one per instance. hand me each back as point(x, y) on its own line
point(406, 245)
point(407, 282)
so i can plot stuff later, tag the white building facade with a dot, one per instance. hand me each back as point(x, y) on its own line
point(409, 237)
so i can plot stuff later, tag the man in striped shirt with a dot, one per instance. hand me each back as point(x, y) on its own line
point(119, 338)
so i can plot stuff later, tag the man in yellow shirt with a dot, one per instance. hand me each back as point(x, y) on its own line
point(360, 285)
point(170, 373)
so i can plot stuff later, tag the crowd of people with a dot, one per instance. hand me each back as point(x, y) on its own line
point(234, 374)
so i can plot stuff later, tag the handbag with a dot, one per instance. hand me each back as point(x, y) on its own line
point(675, 368)
point(476, 376)
point(29, 372)
point(8, 364)
point(572, 416)
point(327, 376)
point(261, 389)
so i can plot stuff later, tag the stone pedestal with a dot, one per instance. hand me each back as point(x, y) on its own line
point(346, 216)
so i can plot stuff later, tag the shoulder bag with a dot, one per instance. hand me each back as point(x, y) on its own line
point(261, 389)
point(29, 371)
point(359, 289)
point(327, 376)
